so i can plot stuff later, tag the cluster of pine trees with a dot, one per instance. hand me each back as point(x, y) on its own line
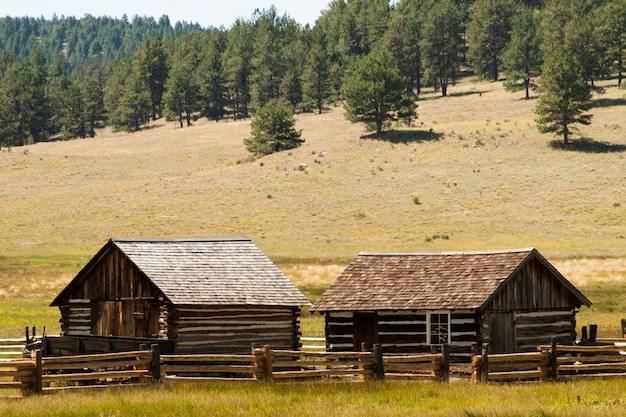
point(66, 77)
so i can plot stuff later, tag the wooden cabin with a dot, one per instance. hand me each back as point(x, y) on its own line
point(409, 302)
point(204, 295)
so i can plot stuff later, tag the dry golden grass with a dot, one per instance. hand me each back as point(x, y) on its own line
point(473, 173)
point(482, 174)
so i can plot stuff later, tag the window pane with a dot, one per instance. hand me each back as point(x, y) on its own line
point(439, 328)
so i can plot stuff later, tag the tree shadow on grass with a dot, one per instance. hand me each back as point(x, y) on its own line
point(405, 136)
point(608, 102)
point(458, 94)
point(587, 145)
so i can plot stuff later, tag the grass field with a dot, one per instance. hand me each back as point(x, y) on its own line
point(578, 399)
point(473, 173)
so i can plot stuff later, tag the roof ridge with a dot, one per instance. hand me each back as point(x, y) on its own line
point(479, 252)
point(182, 239)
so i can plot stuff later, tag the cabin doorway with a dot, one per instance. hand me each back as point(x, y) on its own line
point(365, 330)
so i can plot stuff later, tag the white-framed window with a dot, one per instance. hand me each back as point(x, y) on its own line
point(438, 328)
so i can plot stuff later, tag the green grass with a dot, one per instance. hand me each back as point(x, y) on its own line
point(600, 398)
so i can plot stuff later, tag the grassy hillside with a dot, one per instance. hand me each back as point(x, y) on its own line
point(473, 173)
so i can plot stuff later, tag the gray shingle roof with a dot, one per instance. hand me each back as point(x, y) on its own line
point(230, 271)
point(422, 281)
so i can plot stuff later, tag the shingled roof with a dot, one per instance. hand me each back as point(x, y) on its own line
point(428, 281)
point(230, 271)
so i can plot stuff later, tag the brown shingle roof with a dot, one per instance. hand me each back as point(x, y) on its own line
point(422, 281)
point(211, 271)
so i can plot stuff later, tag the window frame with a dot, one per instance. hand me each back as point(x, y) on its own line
point(429, 329)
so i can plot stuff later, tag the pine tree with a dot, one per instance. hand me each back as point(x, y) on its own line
point(374, 91)
point(489, 32)
point(403, 39)
point(273, 129)
point(565, 95)
point(153, 63)
point(211, 78)
point(317, 78)
point(182, 88)
point(522, 59)
point(237, 66)
point(442, 46)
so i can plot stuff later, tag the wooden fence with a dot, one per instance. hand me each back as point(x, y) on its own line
point(511, 367)
point(11, 348)
point(552, 362)
point(41, 374)
point(426, 367)
point(18, 376)
point(61, 372)
point(570, 362)
point(200, 367)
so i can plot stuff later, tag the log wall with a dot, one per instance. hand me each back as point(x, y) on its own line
point(234, 329)
point(76, 317)
point(402, 332)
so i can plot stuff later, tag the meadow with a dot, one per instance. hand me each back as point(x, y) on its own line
point(382, 399)
point(472, 173)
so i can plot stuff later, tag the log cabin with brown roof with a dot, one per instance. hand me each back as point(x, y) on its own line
point(513, 300)
point(203, 295)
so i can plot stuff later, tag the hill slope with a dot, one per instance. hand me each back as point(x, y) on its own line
point(474, 174)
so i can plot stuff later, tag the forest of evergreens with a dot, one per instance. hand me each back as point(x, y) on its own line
point(63, 78)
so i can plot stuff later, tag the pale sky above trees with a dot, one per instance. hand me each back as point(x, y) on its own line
point(205, 13)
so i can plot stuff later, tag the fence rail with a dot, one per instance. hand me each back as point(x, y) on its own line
point(299, 364)
point(39, 374)
point(429, 367)
point(11, 348)
point(552, 362)
point(18, 376)
point(185, 368)
point(127, 367)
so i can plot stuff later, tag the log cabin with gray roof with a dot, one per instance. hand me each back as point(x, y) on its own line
point(513, 300)
point(203, 295)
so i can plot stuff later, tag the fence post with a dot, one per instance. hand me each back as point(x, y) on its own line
point(593, 331)
point(378, 361)
point(37, 384)
point(476, 368)
point(484, 371)
point(553, 361)
point(445, 363)
point(267, 353)
point(259, 363)
point(155, 365)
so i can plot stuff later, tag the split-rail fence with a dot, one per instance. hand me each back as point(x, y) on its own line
point(551, 363)
point(36, 374)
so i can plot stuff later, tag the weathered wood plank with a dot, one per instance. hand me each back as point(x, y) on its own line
point(175, 368)
point(95, 375)
point(496, 376)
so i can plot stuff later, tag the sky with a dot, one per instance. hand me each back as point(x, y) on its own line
point(205, 13)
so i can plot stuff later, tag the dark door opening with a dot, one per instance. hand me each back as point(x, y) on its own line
point(365, 330)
